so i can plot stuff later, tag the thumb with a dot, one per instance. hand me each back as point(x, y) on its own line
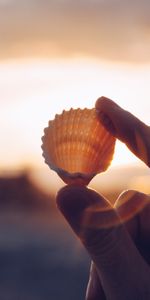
point(115, 256)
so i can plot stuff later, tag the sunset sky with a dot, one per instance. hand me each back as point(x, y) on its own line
point(60, 54)
point(105, 29)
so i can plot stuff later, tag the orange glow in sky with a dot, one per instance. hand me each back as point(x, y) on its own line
point(33, 91)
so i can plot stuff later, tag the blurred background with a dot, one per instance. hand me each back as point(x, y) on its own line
point(55, 55)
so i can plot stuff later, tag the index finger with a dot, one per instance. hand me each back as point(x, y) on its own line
point(126, 127)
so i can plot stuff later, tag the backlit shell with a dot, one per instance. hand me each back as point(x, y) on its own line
point(77, 146)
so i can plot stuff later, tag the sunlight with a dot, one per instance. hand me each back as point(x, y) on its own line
point(33, 91)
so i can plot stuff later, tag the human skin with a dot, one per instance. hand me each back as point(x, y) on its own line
point(120, 250)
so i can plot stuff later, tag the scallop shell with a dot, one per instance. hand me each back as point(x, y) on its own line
point(77, 146)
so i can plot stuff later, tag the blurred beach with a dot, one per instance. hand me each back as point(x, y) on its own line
point(40, 258)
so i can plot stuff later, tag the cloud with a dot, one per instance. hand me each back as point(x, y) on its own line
point(110, 29)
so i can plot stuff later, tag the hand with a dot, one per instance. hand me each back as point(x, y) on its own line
point(116, 238)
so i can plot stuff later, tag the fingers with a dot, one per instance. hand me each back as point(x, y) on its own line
point(131, 204)
point(94, 288)
point(144, 242)
point(134, 209)
point(126, 127)
point(114, 254)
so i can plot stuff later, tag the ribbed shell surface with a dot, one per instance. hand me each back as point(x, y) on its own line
point(77, 146)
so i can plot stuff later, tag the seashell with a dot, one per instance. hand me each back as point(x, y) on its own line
point(77, 146)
